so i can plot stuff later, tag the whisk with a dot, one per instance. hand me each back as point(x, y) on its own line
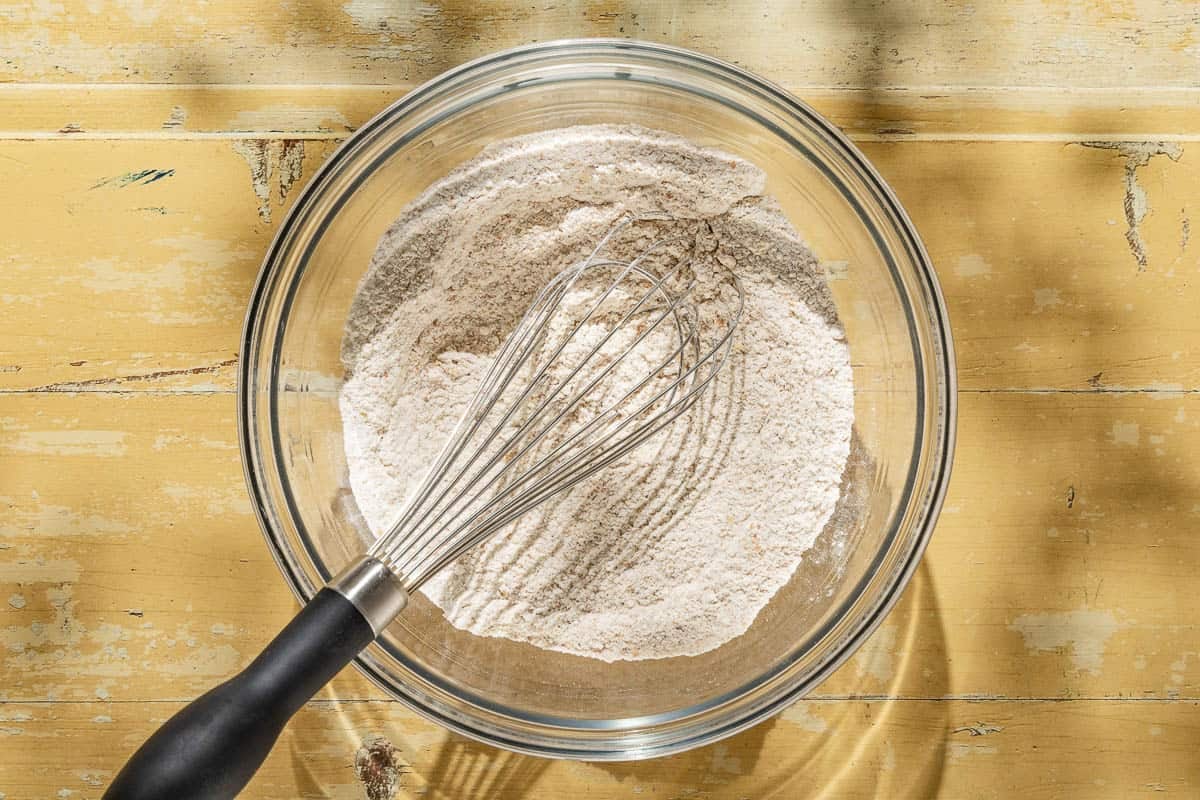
point(610, 352)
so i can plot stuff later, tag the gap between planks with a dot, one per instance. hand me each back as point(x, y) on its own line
point(839, 698)
point(170, 112)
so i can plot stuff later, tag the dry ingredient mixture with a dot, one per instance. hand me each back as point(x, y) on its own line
point(675, 550)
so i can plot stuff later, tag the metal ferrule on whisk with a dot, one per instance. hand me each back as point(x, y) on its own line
point(374, 590)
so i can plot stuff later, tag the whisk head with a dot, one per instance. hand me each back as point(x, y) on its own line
point(610, 352)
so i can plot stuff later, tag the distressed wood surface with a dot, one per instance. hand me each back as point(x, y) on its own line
point(1063, 567)
point(861, 43)
point(901, 749)
point(281, 111)
point(1047, 647)
point(1066, 264)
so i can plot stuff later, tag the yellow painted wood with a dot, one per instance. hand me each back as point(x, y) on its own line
point(138, 259)
point(1064, 565)
point(1031, 241)
point(864, 43)
point(173, 111)
point(1048, 645)
point(907, 750)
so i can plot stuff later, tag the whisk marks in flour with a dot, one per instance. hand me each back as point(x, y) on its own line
point(675, 550)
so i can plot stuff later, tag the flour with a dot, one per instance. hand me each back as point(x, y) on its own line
point(674, 550)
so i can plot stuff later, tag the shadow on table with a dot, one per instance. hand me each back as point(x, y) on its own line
point(393, 766)
point(857, 742)
point(853, 738)
point(464, 768)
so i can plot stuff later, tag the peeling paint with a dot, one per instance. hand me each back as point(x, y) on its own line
point(1125, 433)
point(960, 750)
point(254, 151)
point(217, 501)
point(109, 652)
point(91, 778)
point(877, 656)
point(108, 444)
point(1083, 634)
point(972, 266)
point(267, 159)
point(1136, 204)
point(373, 16)
point(292, 119)
point(48, 519)
point(176, 120)
point(723, 761)
point(111, 275)
point(801, 713)
point(889, 758)
point(119, 380)
point(1045, 298)
point(40, 570)
point(36, 11)
point(291, 165)
point(1179, 667)
point(142, 12)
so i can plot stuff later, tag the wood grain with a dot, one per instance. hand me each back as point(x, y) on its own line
point(1032, 242)
point(863, 43)
point(286, 111)
point(1047, 647)
point(906, 749)
point(1063, 566)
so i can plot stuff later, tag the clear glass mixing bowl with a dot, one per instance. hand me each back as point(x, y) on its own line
point(551, 704)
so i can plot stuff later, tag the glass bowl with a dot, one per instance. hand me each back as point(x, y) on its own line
point(514, 695)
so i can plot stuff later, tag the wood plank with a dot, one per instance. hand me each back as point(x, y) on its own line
point(868, 43)
point(1051, 282)
point(136, 259)
point(909, 750)
point(1063, 565)
point(1048, 645)
point(165, 111)
point(1032, 243)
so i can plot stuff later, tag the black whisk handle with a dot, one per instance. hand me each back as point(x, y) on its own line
point(212, 747)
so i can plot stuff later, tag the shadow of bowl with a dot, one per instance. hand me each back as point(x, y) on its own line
point(865, 740)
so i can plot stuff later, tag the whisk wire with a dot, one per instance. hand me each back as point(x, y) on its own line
point(548, 459)
point(564, 481)
point(525, 336)
point(505, 458)
point(419, 500)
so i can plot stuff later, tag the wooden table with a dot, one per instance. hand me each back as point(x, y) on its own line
point(1049, 154)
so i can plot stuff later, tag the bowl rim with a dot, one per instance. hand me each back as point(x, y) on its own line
point(945, 408)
